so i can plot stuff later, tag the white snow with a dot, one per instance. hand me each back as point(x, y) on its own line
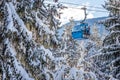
point(47, 53)
point(18, 67)
point(21, 70)
point(117, 40)
point(19, 20)
point(10, 25)
point(43, 26)
point(60, 73)
point(74, 73)
point(114, 26)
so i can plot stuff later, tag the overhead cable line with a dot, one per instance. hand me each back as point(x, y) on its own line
point(89, 9)
point(88, 5)
point(81, 5)
point(96, 10)
point(78, 4)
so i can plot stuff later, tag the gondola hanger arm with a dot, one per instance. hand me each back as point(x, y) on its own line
point(85, 13)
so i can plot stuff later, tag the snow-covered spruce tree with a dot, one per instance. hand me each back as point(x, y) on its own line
point(95, 36)
point(109, 58)
point(72, 52)
point(95, 42)
point(27, 31)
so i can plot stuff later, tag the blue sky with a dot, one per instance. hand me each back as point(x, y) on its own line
point(95, 3)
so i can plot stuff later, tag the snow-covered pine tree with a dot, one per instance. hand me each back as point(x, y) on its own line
point(27, 31)
point(72, 52)
point(109, 58)
point(67, 43)
point(95, 36)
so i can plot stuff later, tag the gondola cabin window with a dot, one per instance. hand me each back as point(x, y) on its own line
point(81, 31)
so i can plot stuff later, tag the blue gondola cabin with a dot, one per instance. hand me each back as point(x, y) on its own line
point(81, 31)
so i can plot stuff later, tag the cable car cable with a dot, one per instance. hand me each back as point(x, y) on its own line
point(80, 5)
point(96, 10)
point(90, 9)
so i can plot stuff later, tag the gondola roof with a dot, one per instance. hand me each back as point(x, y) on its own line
point(79, 27)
